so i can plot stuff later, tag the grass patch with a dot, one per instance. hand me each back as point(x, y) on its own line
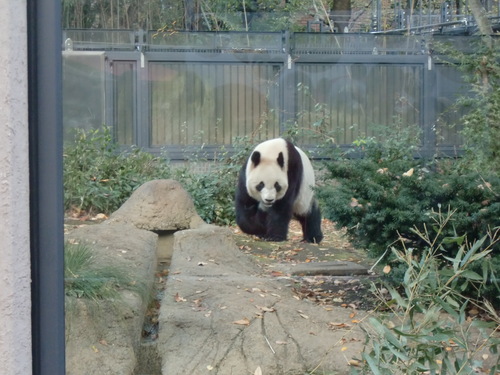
point(87, 278)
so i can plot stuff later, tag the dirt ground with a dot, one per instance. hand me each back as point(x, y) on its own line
point(347, 291)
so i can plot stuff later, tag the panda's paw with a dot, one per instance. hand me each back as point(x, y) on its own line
point(274, 238)
point(315, 240)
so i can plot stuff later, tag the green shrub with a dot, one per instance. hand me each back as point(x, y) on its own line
point(213, 190)
point(379, 198)
point(425, 327)
point(98, 177)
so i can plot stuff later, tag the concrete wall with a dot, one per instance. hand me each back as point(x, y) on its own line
point(15, 299)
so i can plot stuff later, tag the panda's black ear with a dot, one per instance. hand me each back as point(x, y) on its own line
point(281, 160)
point(255, 158)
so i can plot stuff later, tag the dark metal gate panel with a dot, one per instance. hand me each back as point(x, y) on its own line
point(449, 87)
point(124, 82)
point(353, 100)
point(196, 103)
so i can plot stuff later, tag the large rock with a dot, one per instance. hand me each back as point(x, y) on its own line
point(221, 315)
point(103, 336)
point(159, 205)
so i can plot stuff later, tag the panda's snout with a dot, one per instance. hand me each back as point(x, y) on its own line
point(268, 201)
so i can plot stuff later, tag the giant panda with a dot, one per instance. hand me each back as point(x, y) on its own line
point(274, 186)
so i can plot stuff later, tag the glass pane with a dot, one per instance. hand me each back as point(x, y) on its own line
point(183, 90)
point(84, 104)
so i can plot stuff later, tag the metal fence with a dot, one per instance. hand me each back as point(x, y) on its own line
point(172, 91)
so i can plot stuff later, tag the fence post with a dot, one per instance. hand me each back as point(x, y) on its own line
point(288, 84)
point(430, 114)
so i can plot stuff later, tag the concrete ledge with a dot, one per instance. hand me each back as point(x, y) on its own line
point(220, 316)
point(104, 338)
point(341, 268)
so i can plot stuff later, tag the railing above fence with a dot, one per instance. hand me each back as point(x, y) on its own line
point(356, 44)
point(102, 40)
point(259, 42)
point(234, 41)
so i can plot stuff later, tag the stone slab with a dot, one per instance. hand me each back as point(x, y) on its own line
point(221, 314)
point(339, 268)
point(103, 338)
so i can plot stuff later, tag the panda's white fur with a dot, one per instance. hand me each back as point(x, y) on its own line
point(269, 172)
point(263, 207)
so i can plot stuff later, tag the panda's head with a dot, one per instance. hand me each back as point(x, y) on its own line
point(266, 172)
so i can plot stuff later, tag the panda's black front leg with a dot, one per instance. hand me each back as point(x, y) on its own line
point(278, 220)
point(250, 219)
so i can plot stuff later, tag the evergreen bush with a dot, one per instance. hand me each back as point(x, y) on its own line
point(99, 176)
point(380, 197)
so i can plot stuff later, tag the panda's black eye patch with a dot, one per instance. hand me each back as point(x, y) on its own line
point(260, 186)
point(277, 187)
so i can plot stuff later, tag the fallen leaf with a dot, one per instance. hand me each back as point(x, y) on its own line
point(103, 342)
point(242, 322)
point(258, 371)
point(354, 202)
point(473, 311)
point(387, 269)
point(281, 342)
point(333, 325)
point(343, 349)
point(354, 362)
point(302, 314)
point(178, 298)
point(265, 309)
point(409, 173)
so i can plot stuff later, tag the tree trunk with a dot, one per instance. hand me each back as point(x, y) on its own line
point(482, 20)
point(190, 15)
point(341, 14)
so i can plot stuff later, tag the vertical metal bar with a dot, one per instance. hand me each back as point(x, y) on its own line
point(46, 183)
point(430, 115)
point(288, 98)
